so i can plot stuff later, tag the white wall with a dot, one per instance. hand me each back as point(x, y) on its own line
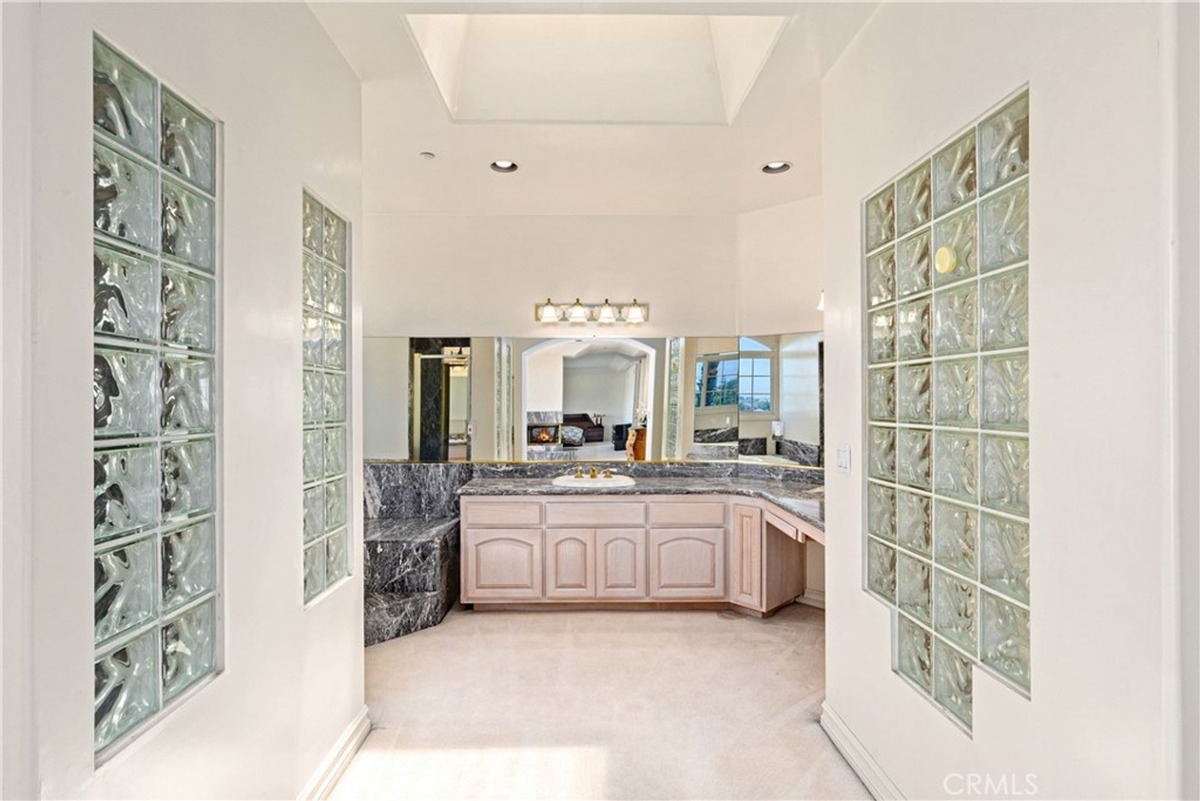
point(481, 276)
point(800, 386)
point(1100, 723)
point(293, 678)
point(605, 391)
point(385, 397)
point(780, 275)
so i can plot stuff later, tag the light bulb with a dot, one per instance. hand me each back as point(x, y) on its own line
point(608, 315)
point(578, 313)
point(548, 313)
point(635, 314)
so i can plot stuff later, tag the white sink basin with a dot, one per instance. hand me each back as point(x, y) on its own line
point(599, 483)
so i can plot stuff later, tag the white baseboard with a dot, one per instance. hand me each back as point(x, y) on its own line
point(331, 767)
point(812, 598)
point(868, 770)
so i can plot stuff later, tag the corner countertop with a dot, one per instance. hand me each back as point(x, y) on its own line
point(806, 502)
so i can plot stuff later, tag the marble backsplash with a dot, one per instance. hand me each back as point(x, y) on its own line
point(430, 490)
point(806, 453)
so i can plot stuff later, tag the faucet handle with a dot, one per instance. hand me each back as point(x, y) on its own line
point(608, 472)
point(578, 472)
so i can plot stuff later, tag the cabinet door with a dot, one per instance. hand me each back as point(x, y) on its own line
point(621, 563)
point(570, 565)
point(687, 563)
point(746, 554)
point(502, 564)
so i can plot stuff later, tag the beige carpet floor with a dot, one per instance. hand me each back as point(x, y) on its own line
point(642, 705)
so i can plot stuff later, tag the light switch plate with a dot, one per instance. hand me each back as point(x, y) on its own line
point(843, 457)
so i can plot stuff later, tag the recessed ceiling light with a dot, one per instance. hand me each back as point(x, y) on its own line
point(425, 154)
point(504, 166)
point(776, 167)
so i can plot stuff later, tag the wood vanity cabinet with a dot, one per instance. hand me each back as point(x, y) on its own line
point(745, 551)
point(621, 563)
point(502, 564)
point(687, 563)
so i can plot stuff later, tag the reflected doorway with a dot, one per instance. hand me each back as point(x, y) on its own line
point(440, 399)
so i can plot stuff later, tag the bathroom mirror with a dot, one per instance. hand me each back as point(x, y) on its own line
point(591, 398)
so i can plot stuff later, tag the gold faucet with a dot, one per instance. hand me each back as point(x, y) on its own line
point(607, 472)
point(578, 472)
point(592, 473)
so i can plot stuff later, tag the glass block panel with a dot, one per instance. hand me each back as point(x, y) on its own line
point(335, 504)
point(881, 394)
point(314, 225)
point(914, 594)
point(125, 490)
point(124, 198)
point(1004, 639)
point(913, 264)
point(313, 283)
point(188, 142)
point(189, 649)
point(335, 238)
point(126, 690)
point(187, 476)
point(335, 292)
point(915, 393)
point(123, 100)
point(912, 329)
point(187, 390)
point(913, 200)
point(335, 451)
point(314, 454)
point(954, 609)
point(187, 226)
point(314, 394)
point(124, 393)
point(1004, 144)
point(1005, 310)
point(881, 512)
point(314, 512)
point(187, 316)
point(1004, 227)
point(335, 398)
point(914, 522)
point(952, 677)
point(955, 312)
point(914, 653)
point(314, 570)
point(881, 219)
point(956, 398)
point(189, 563)
point(125, 588)
point(881, 453)
point(882, 335)
point(956, 234)
point(1005, 557)
point(956, 458)
point(954, 175)
point(955, 537)
point(881, 570)
point(337, 556)
point(124, 295)
point(335, 344)
point(1005, 474)
point(881, 277)
point(314, 339)
point(914, 451)
point(1006, 391)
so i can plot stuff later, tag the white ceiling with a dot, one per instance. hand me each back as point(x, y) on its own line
point(669, 113)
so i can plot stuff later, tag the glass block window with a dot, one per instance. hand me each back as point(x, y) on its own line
point(946, 347)
point(325, 333)
point(155, 395)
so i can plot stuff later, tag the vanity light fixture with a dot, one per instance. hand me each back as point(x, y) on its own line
point(776, 167)
point(580, 313)
point(504, 166)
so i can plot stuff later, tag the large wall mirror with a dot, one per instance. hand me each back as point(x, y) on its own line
point(589, 398)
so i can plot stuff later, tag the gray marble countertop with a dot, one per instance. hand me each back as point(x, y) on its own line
point(804, 501)
point(390, 529)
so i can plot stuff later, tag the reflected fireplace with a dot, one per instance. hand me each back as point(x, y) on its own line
point(542, 434)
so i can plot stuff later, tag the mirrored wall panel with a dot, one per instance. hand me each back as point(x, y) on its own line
point(324, 336)
point(155, 395)
point(946, 345)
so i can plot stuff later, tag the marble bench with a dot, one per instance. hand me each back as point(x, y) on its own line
point(410, 575)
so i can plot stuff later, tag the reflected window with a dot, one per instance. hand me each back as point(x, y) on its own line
point(756, 375)
point(716, 380)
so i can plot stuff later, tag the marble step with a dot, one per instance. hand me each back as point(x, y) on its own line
point(407, 556)
point(387, 616)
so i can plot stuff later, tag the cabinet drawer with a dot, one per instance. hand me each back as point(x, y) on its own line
point(784, 526)
point(699, 513)
point(491, 513)
point(606, 513)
